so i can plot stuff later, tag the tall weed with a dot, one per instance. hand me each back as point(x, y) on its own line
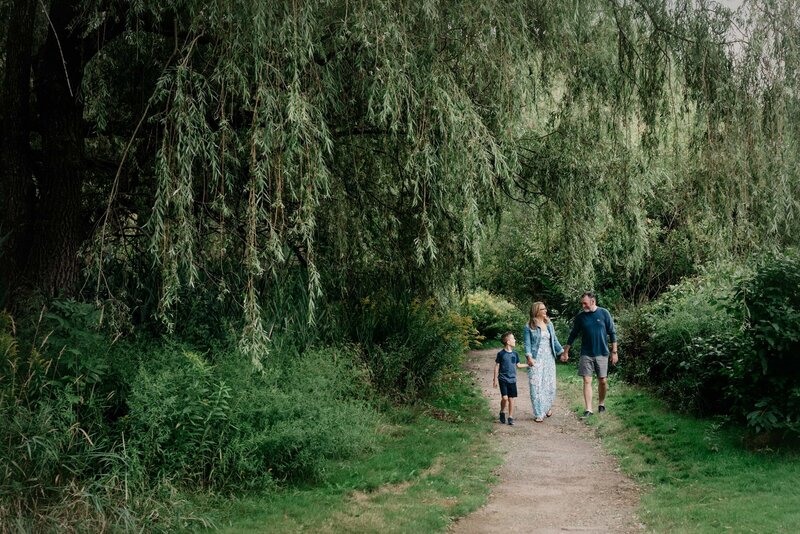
point(63, 466)
point(100, 436)
point(225, 426)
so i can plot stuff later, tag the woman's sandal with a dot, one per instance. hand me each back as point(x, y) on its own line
point(539, 420)
point(549, 413)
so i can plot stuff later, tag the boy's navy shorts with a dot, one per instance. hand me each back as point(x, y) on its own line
point(508, 389)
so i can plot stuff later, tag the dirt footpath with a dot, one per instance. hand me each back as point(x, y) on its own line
point(556, 477)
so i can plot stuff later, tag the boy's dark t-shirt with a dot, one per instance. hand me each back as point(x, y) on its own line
point(508, 366)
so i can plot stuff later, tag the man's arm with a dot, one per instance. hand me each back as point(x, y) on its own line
point(612, 336)
point(576, 328)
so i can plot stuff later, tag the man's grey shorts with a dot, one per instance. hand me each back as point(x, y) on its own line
point(593, 364)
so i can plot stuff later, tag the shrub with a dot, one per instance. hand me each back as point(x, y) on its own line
point(687, 343)
point(98, 436)
point(771, 399)
point(64, 468)
point(226, 426)
point(492, 315)
point(430, 341)
point(634, 332)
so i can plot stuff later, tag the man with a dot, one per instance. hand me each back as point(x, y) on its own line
point(596, 328)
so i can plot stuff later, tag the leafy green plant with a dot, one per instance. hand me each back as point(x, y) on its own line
point(225, 426)
point(431, 341)
point(771, 298)
point(65, 466)
point(688, 344)
point(492, 315)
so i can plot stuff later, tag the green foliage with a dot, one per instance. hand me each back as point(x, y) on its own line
point(433, 462)
point(331, 138)
point(492, 315)
point(772, 300)
point(687, 343)
point(224, 427)
point(428, 341)
point(724, 342)
point(103, 435)
point(65, 466)
point(179, 417)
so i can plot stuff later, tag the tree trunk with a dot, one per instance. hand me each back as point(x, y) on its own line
point(59, 229)
point(16, 184)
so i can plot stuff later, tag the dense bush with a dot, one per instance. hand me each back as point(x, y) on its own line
point(686, 343)
point(64, 466)
point(770, 397)
point(96, 435)
point(429, 341)
point(724, 342)
point(229, 427)
point(492, 315)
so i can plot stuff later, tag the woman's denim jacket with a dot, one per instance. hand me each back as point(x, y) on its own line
point(534, 335)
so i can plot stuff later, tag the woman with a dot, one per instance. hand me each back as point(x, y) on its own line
point(541, 349)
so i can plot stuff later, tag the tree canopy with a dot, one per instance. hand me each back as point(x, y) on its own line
point(155, 154)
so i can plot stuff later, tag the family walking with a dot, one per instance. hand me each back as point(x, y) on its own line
point(596, 328)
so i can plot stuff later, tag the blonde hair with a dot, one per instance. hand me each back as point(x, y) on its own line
point(535, 307)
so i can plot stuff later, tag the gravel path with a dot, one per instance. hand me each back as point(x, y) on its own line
point(556, 477)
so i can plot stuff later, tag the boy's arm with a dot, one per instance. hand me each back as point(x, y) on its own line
point(520, 365)
point(496, 372)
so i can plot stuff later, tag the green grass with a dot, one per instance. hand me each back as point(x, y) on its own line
point(434, 463)
point(698, 474)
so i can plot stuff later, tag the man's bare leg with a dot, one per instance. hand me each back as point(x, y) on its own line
point(602, 388)
point(587, 392)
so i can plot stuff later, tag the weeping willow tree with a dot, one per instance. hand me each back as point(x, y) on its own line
point(668, 141)
point(345, 141)
point(338, 148)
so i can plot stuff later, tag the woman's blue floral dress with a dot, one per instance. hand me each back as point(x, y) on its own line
point(542, 345)
point(542, 377)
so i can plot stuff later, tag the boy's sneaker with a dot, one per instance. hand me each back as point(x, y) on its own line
point(601, 408)
point(511, 421)
point(588, 413)
point(502, 418)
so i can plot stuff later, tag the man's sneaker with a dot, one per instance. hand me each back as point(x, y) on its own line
point(587, 413)
point(511, 421)
point(601, 408)
point(502, 418)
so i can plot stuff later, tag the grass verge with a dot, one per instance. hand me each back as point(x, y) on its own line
point(434, 463)
point(698, 474)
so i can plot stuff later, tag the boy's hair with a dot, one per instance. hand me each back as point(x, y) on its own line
point(505, 337)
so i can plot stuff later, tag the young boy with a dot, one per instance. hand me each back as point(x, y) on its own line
point(505, 375)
